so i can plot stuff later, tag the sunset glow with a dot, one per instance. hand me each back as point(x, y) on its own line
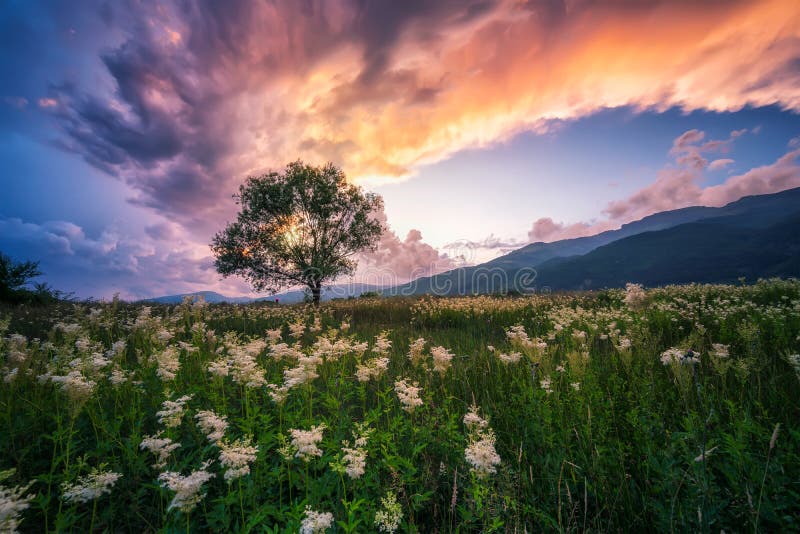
point(489, 124)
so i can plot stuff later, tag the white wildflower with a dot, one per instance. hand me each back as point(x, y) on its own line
point(212, 425)
point(169, 363)
point(382, 344)
point(408, 394)
point(546, 385)
point(481, 454)
point(161, 447)
point(442, 359)
point(11, 375)
point(679, 356)
point(118, 376)
point(284, 351)
point(315, 522)
point(372, 369)
point(388, 518)
point(163, 335)
point(278, 394)
point(474, 421)
point(635, 296)
point(415, 351)
point(719, 350)
point(171, 411)
point(187, 488)
point(75, 385)
point(516, 334)
point(13, 502)
point(243, 365)
point(219, 367)
point(92, 486)
point(237, 457)
point(303, 373)
point(274, 335)
point(306, 442)
point(297, 329)
point(511, 357)
point(355, 454)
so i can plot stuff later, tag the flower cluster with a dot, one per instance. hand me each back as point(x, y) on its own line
point(306, 442)
point(635, 296)
point(382, 344)
point(442, 359)
point(212, 425)
point(187, 488)
point(160, 446)
point(408, 394)
point(172, 412)
point(169, 363)
point(13, 501)
point(355, 454)
point(90, 487)
point(315, 522)
point(481, 454)
point(416, 351)
point(237, 457)
point(372, 369)
point(388, 518)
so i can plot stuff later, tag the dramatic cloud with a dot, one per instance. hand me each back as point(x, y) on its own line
point(400, 260)
point(206, 92)
point(136, 267)
point(546, 229)
point(193, 95)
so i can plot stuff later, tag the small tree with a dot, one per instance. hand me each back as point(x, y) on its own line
point(299, 227)
point(13, 275)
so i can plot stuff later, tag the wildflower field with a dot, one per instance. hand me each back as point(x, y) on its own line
point(672, 409)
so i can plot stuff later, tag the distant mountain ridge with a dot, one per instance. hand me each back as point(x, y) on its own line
point(756, 212)
point(755, 236)
point(287, 297)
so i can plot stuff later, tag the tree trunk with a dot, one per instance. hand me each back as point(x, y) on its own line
point(315, 293)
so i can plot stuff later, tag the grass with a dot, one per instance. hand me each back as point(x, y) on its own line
point(593, 431)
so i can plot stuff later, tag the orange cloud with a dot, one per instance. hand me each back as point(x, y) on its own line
point(511, 70)
point(381, 90)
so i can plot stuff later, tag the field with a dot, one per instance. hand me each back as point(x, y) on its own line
point(672, 409)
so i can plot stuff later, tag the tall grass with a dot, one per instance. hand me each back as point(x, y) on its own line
point(598, 426)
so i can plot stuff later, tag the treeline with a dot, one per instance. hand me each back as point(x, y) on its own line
point(16, 286)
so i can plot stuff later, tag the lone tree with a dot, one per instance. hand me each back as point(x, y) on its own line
point(298, 227)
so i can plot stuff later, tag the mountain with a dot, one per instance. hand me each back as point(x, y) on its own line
point(752, 212)
point(338, 291)
point(288, 297)
point(720, 250)
point(211, 297)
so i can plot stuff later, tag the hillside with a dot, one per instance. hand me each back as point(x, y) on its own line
point(740, 219)
point(714, 250)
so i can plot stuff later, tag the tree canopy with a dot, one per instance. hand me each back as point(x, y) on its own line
point(301, 226)
point(14, 276)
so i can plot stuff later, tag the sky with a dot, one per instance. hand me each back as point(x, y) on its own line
point(126, 126)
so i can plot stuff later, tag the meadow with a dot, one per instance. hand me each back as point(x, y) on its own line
point(672, 409)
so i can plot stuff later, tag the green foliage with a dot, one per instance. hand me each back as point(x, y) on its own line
point(13, 276)
point(593, 431)
point(299, 227)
